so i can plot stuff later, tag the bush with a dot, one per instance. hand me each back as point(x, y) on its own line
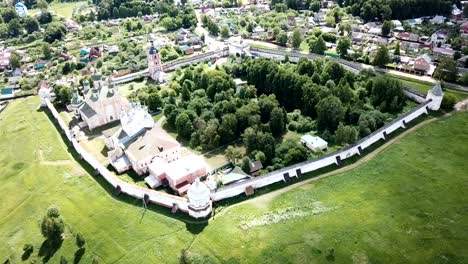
point(80, 241)
point(448, 102)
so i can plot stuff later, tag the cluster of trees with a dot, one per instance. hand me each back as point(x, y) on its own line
point(212, 26)
point(53, 228)
point(149, 96)
point(11, 25)
point(325, 92)
point(397, 9)
point(171, 16)
point(206, 111)
point(176, 18)
point(121, 9)
point(317, 41)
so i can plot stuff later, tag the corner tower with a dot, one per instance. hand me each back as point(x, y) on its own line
point(436, 94)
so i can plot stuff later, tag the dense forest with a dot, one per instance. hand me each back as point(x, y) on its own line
point(398, 9)
point(205, 109)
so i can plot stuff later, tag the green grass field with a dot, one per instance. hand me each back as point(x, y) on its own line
point(63, 9)
point(407, 205)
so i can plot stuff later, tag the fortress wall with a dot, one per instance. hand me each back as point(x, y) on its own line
point(327, 160)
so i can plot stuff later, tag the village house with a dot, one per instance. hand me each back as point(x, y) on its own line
point(187, 50)
point(406, 36)
point(5, 59)
point(255, 167)
point(443, 52)
point(423, 63)
point(456, 13)
point(439, 38)
point(437, 20)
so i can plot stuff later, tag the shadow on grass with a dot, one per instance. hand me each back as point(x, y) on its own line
point(26, 254)
point(78, 255)
point(49, 248)
point(196, 228)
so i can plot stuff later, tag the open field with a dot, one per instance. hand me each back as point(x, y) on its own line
point(63, 9)
point(406, 205)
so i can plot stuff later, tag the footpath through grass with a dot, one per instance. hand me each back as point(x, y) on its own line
point(407, 205)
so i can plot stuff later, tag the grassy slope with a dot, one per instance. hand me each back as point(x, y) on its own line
point(404, 206)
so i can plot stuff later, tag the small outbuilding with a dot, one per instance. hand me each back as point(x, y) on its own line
point(314, 143)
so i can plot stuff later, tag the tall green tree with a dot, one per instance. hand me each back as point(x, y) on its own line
point(330, 112)
point(386, 27)
point(397, 49)
point(343, 45)
point(184, 125)
point(345, 134)
point(15, 60)
point(296, 38)
point(31, 24)
point(46, 51)
point(282, 38)
point(52, 225)
point(277, 121)
point(225, 31)
point(447, 70)
point(382, 57)
point(318, 46)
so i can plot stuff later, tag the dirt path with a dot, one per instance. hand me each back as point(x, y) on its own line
point(264, 200)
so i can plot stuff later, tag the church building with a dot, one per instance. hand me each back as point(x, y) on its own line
point(101, 104)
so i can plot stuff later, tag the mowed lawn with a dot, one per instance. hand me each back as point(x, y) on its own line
point(407, 205)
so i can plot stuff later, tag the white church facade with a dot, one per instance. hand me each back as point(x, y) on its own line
point(100, 104)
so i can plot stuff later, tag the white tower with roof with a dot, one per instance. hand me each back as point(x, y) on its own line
point(199, 199)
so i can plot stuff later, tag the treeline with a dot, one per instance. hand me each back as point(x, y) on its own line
point(324, 91)
point(28, 27)
point(398, 9)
